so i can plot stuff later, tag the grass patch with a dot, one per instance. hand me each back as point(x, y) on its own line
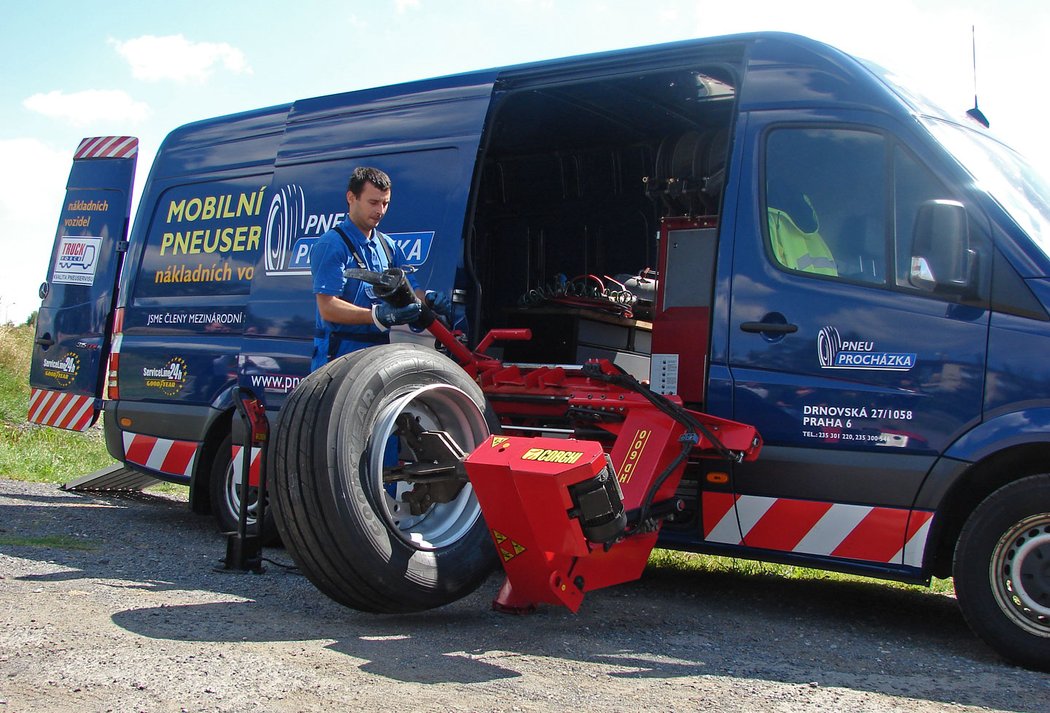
point(28, 451)
point(691, 562)
point(57, 542)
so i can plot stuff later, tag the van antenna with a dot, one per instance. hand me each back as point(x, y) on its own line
point(976, 114)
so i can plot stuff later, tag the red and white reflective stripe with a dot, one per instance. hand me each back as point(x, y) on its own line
point(107, 147)
point(160, 454)
point(74, 412)
point(859, 532)
point(238, 465)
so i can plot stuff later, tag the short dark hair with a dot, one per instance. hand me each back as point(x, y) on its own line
point(366, 174)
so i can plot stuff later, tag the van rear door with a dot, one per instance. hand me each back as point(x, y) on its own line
point(75, 320)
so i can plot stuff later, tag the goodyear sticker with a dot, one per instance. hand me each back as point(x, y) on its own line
point(63, 370)
point(508, 548)
point(169, 378)
point(546, 455)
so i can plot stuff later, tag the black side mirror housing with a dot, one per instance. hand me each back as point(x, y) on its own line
point(942, 259)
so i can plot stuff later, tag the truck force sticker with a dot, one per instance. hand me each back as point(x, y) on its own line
point(77, 260)
point(291, 232)
point(833, 352)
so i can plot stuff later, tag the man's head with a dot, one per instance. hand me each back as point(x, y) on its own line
point(367, 197)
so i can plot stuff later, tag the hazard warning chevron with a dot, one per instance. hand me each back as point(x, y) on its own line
point(856, 532)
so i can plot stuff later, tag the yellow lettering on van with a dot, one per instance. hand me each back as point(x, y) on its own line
point(246, 204)
point(166, 241)
point(175, 210)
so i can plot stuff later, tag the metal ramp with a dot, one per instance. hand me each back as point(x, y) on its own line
point(112, 477)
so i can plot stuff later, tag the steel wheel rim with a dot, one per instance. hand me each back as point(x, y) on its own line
point(233, 496)
point(438, 407)
point(1020, 572)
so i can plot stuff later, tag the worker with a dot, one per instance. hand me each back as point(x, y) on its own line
point(349, 316)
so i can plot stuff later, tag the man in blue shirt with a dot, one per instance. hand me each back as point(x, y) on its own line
point(349, 317)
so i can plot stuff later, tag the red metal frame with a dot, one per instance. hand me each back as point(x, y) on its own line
point(522, 483)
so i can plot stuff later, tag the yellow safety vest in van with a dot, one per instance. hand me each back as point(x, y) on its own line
point(796, 249)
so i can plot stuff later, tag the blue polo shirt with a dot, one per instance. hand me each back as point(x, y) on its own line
point(329, 257)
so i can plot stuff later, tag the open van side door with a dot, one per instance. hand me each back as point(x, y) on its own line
point(75, 321)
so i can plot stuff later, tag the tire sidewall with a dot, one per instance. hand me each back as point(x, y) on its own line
point(975, 581)
point(428, 577)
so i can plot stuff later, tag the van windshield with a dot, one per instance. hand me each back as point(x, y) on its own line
point(1003, 174)
point(997, 169)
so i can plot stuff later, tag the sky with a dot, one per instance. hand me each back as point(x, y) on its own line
point(142, 68)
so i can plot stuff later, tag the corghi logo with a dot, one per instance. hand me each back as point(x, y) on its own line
point(63, 370)
point(833, 352)
point(544, 455)
point(290, 233)
point(169, 379)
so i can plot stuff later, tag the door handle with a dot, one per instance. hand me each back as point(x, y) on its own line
point(768, 328)
point(45, 341)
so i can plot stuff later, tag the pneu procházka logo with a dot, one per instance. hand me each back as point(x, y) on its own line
point(834, 352)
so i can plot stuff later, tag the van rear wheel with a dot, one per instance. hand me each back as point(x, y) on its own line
point(1002, 571)
point(352, 497)
point(224, 490)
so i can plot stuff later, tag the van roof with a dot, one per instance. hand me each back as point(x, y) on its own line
point(778, 68)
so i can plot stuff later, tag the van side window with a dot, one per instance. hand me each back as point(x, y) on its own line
point(913, 185)
point(825, 202)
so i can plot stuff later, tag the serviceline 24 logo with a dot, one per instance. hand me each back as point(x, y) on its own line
point(834, 352)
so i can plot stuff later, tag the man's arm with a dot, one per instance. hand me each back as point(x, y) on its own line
point(339, 311)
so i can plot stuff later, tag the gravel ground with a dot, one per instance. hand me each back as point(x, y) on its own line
point(126, 611)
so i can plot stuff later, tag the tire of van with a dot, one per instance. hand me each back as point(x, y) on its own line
point(352, 535)
point(1002, 571)
point(224, 491)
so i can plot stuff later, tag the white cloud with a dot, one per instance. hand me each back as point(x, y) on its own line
point(86, 107)
point(174, 57)
point(30, 201)
point(403, 6)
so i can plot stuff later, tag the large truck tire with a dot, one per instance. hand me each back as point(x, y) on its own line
point(224, 490)
point(1002, 571)
point(353, 535)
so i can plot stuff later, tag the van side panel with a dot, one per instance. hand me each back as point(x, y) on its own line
point(187, 283)
point(426, 137)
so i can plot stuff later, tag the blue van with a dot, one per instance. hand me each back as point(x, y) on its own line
point(860, 275)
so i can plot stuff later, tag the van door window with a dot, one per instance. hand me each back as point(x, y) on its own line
point(825, 202)
point(913, 185)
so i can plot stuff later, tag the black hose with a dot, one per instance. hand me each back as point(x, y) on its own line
point(671, 409)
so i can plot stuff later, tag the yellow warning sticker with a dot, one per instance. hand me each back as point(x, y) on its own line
point(498, 441)
point(508, 548)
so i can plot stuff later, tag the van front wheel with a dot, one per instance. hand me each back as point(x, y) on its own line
point(367, 494)
point(1002, 571)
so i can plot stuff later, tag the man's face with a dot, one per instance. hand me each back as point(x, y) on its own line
point(365, 211)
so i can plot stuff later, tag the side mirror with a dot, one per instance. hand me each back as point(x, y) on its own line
point(941, 259)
